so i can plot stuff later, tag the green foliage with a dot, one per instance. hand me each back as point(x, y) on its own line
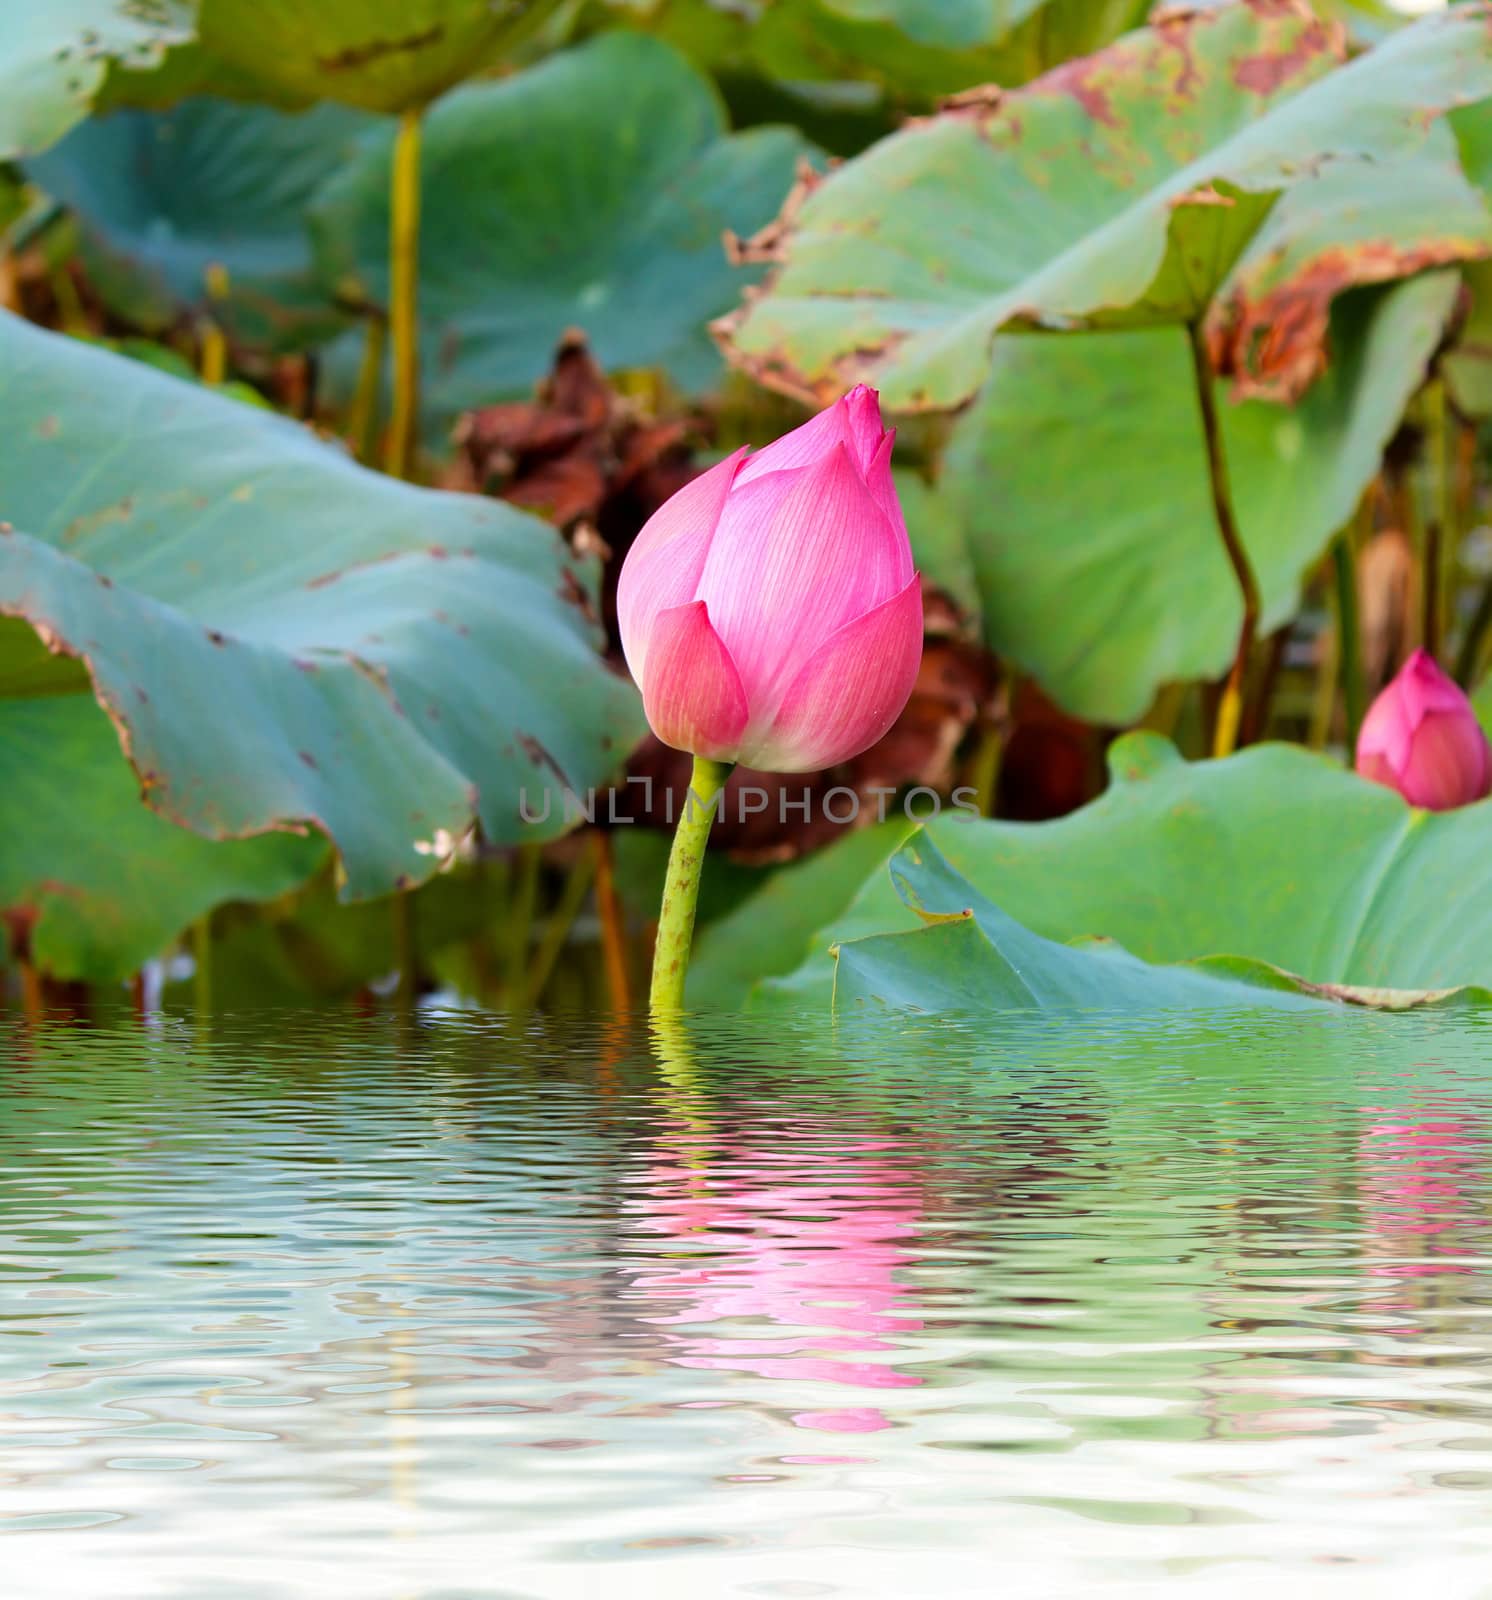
point(972, 957)
point(589, 192)
point(164, 198)
point(769, 931)
point(63, 60)
point(912, 51)
point(378, 55)
point(57, 58)
point(1274, 856)
point(282, 638)
point(234, 665)
point(95, 882)
point(1079, 478)
point(1130, 190)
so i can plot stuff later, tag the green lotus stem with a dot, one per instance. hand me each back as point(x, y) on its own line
point(1469, 656)
point(681, 886)
point(213, 358)
point(362, 415)
point(525, 893)
point(202, 963)
point(1349, 634)
point(1324, 691)
point(557, 929)
point(406, 956)
point(404, 266)
point(1439, 524)
point(984, 769)
point(1230, 707)
point(70, 313)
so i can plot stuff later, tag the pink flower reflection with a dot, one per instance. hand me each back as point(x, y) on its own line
point(815, 1259)
point(1422, 1176)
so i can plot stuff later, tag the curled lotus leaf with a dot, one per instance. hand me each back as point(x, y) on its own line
point(283, 640)
point(1132, 188)
point(1275, 857)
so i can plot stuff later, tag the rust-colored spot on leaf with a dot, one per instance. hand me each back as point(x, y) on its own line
point(978, 101)
point(1086, 80)
point(542, 758)
point(364, 55)
point(92, 521)
point(766, 245)
point(219, 639)
point(573, 592)
point(308, 759)
point(1271, 70)
point(1275, 346)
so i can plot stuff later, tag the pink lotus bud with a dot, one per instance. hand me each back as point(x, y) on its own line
point(1421, 737)
point(770, 611)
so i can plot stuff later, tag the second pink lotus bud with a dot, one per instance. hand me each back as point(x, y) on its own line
point(1422, 737)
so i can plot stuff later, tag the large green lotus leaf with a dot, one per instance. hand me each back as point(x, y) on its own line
point(769, 932)
point(61, 60)
point(1275, 855)
point(163, 197)
point(379, 55)
point(974, 957)
point(948, 24)
point(96, 882)
point(913, 51)
point(56, 55)
point(282, 637)
point(1122, 190)
point(592, 192)
point(919, 49)
point(1079, 478)
point(1467, 366)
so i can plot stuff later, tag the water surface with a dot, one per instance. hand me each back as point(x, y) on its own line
point(465, 1308)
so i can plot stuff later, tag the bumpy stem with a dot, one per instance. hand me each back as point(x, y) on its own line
point(404, 265)
point(1230, 707)
point(681, 886)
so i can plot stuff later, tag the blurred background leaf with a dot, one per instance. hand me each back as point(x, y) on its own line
point(1121, 190)
point(1079, 478)
point(92, 883)
point(589, 192)
point(282, 637)
point(377, 55)
point(165, 198)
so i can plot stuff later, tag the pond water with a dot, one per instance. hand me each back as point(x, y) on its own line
point(470, 1308)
